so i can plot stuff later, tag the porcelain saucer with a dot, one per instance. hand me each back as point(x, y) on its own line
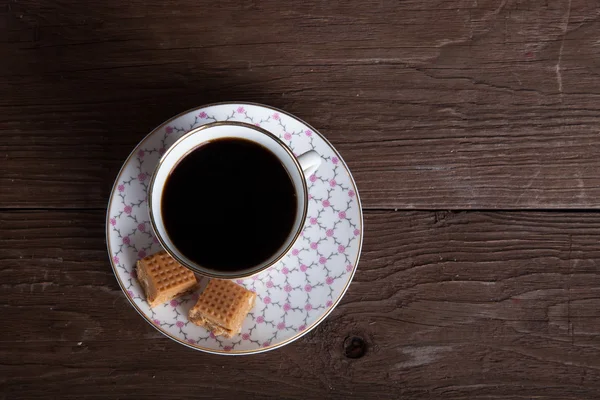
point(294, 295)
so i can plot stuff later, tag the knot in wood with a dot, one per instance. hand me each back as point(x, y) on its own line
point(354, 347)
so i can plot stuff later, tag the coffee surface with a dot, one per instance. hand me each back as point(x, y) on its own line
point(229, 204)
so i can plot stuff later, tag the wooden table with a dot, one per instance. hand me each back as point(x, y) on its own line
point(472, 128)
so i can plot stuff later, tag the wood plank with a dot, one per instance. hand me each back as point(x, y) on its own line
point(449, 305)
point(437, 105)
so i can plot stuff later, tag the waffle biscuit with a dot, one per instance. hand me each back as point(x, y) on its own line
point(222, 307)
point(163, 278)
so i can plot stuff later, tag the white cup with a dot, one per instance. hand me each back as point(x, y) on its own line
point(298, 169)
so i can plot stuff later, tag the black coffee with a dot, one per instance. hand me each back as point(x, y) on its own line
point(229, 204)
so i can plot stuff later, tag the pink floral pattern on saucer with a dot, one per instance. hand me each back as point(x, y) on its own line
point(294, 295)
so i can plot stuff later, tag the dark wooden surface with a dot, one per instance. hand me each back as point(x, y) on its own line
point(487, 108)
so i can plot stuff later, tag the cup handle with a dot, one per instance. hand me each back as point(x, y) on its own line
point(309, 162)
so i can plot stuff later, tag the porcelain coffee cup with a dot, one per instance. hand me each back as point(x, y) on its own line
point(298, 168)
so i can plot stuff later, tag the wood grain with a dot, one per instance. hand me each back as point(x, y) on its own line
point(465, 104)
point(448, 305)
point(437, 105)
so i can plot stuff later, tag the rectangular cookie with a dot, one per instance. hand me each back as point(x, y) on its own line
point(163, 278)
point(222, 307)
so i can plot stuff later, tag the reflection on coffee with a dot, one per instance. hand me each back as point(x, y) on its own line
point(229, 204)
